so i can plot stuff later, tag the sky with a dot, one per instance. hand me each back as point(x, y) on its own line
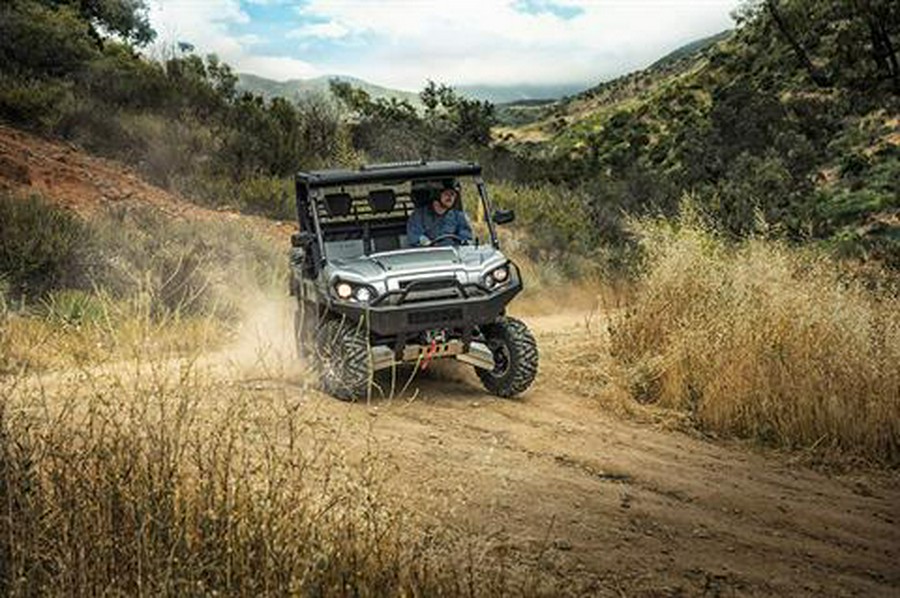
point(404, 43)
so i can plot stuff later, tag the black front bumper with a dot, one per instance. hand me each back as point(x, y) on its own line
point(458, 312)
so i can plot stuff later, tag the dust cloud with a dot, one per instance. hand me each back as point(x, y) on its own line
point(263, 345)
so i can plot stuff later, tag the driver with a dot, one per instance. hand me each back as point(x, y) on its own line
point(440, 218)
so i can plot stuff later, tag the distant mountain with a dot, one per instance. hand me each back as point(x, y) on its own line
point(505, 94)
point(295, 89)
point(497, 94)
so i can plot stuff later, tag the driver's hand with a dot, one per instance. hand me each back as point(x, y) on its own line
point(423, 240)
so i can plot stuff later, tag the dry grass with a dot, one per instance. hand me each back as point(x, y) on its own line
point(172, 478)
point(763, 341)
point(30, 343)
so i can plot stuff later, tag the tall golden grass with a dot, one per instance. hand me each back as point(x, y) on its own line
point(762, 340)
point(158, 478)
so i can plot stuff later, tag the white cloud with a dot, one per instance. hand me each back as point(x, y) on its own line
point(490, 41)
point(205, 24)
point(402, 43)
point(330, 30)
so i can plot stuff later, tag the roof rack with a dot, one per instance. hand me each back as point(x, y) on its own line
point(389, 165)
point(389, 173)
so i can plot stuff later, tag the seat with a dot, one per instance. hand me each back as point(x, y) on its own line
point(338, 204)
point(382, 201)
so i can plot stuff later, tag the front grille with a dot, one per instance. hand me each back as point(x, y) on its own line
point(428, 285)
point(435, 316)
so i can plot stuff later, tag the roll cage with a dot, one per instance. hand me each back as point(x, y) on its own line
point(372, 205)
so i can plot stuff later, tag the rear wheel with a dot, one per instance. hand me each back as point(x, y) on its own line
point(342, 359)
point(515, 357)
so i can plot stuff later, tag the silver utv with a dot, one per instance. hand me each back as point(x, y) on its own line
point(367, 301)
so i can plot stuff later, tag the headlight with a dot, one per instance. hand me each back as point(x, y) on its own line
point(496, 277)
point(347, 291)
point(343, 290)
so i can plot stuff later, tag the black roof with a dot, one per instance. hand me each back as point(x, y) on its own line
point(394, 172)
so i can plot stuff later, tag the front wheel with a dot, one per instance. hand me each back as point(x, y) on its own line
point(515, 357)
point(342, 359)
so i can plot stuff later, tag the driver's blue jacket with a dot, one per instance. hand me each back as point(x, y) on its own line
point(425, 225)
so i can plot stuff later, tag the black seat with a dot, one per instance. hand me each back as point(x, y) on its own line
point(338, 204)
point(382, 201)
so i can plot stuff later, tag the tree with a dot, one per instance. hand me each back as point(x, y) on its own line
point(815, 74)
point(883, 20)
point(125, 18)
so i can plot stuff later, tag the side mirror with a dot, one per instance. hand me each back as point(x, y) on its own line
point(504, 216)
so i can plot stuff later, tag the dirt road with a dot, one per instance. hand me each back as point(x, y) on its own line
point(620, 508)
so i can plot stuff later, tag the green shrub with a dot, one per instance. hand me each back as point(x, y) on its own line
point(180, 266)
point(74, 308)
point(573, 231)
point(42, 247)
point(34, 103)
point(41, 40)
point(173, 266)
point(263, 195)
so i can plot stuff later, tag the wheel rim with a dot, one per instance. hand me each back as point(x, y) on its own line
point(502, 359)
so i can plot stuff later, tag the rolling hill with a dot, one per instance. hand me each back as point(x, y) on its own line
point(737, 122)
point(294, 89)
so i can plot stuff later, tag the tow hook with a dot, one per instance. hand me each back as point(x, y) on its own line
point(429, 354)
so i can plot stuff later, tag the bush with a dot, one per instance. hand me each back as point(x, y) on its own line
point(41, 40)
point(266, 196)
point(41, 247)
point(183, 267)
point(759, 340)
point(34, 103)
point(571, 230)
point(175, 266)
point(74, 308)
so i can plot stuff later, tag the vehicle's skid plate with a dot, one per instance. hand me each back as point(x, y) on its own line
point(479, 355)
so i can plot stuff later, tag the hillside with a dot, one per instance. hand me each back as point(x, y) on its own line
point(739, 123)
point(690, 49)
point(296, 89)
point(89, 185)
point(566, 115)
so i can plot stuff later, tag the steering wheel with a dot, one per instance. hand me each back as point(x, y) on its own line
point(446, 236)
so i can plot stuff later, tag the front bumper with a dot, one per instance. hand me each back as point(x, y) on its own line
point(389, 320)
point(477, 354)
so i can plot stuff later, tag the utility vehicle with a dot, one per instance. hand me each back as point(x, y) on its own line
point(367, 300)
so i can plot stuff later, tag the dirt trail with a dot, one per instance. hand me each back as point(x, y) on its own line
point(618, 507)
point(614, 507)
